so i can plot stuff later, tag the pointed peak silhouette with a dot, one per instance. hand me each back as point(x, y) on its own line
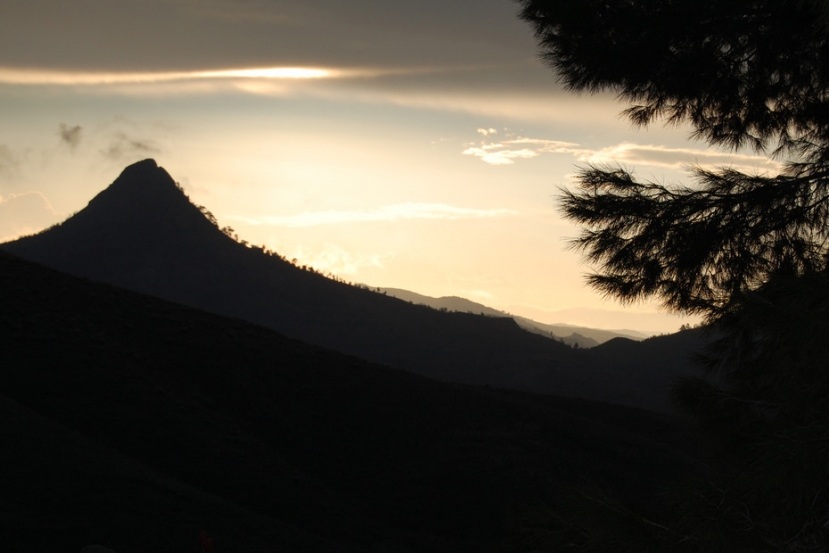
point(143, 167)
point(138, 224)
point(140, 182)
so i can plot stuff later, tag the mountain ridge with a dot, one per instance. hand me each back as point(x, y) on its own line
point(144, 234)
point(572, 335)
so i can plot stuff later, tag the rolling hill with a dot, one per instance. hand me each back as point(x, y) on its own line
point(137, 423)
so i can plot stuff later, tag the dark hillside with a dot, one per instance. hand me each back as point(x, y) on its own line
point(572, 335)
point(142, 233)
point(650, 366)
point(136, 423)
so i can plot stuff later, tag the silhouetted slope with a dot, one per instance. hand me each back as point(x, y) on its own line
point(63, 490)
point(649, 366)
point(134, 422)
point(571, 335)
point(142, 233)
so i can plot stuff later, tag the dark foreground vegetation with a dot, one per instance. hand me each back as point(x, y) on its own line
point(136, 423)
point(748, 251)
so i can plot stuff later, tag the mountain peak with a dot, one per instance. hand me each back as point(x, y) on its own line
point(144, 166)
point(142, 214)
point(140, 177)
point(145, 190)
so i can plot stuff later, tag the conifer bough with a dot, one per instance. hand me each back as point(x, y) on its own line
point(742, 74)
point(748, 251)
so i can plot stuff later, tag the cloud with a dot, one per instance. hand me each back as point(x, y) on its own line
point(31, 76)
point(204, 33)
point(504, 103)
point(26, 213)
point(506, 152)
point(385, 213)
point(71, 136)
point(484, 88)
point(336, 260)
point(124, 147)
point(487, 132)
point(500, 157)
point(677, 158)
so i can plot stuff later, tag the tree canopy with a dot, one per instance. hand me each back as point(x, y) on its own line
point(741, 74)
point(748, 251)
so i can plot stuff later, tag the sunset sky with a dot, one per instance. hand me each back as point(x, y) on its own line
point(415, 144)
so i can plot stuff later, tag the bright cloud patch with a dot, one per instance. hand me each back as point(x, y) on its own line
point(336, 260)
point(506, 152)
point(500, 157)
point(43, 77)
point(385, 213)
point(677, 158)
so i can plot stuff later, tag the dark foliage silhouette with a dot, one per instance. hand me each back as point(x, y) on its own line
point(747, 251)
point(749, 73)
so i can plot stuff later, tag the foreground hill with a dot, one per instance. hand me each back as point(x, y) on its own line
point(138, 423)
point(142, 233)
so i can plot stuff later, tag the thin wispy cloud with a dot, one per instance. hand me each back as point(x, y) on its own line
point(92, 78)
point(34, 76)
point(508, 104)
point(125, 147)
point(405, 211)
point(501, 157)
point(370, 85)
point(70, 136)
point(506, 152)
point(676, 158)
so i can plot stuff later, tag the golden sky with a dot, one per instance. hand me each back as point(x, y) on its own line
point(413, 144)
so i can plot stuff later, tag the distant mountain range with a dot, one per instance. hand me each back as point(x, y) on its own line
point(142, 233)
point(137, 423)
point(571, 335)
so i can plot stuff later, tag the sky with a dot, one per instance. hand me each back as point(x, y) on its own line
point(416, 144)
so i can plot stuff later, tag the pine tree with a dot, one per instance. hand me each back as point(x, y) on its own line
point(749, 252)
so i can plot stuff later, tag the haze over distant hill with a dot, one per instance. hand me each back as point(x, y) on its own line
point(143, 233)
point(571, 335)
point(138, 423)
